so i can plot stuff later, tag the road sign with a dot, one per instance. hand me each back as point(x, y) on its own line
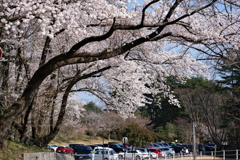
point(125, 139)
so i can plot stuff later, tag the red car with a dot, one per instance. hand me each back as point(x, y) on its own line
point(155, 150)
point(64, 149)
point(127, 145)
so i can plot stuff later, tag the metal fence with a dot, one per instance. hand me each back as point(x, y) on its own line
point(215, 155)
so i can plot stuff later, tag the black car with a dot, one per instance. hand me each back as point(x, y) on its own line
point(116, 147)
point(210, 147)
point(93, 146)
point(100, 145)
point(82, 157)
point(82, 149)
point(72, 145)
point(201, 148)
point(189, 147)
point(180, 149)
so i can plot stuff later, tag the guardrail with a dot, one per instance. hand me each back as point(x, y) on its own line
point(226, 154)
point(223, 155)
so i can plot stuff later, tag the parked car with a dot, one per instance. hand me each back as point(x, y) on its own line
point(168, 152)
point(82, 149)
point(64, 149)
point(127, 146)
point(116, 147)
point(201, 148)
point(189, 147)
point(120, 144)
point(52, 147)
point(155, 150)
point(83, 157)
point(99, 145)
point(167, 145)
point(101, 148)
point(133, 154)
point(210, 147)
point(152, 155)
point(107, 153)
point(72, 145)
point(159, 146)
point(163, 144)
point(181, 149)
point(93, 146)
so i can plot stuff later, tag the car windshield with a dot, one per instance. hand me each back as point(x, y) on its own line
point(121, 145)
point(112, 152)
point(164, 149)
point(116, 146)
point(53, 145)
point(83, 147)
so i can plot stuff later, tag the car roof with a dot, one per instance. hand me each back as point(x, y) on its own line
point(102, 148)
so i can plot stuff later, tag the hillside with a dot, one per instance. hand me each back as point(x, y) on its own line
point(83, 139)
point(14, 151)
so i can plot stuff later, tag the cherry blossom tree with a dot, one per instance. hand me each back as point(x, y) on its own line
point(52, 49)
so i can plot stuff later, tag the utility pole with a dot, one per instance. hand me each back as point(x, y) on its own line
point(194, 141)
point(102, 142)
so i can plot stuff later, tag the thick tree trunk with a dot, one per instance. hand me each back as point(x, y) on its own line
point(44, 140)
point(23, 136)
point(5, 127)
point(24, 101)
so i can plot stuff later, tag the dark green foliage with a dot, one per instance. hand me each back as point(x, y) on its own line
point(200, 82)
point(230, 79)
point(92, 107)
point(139, 136)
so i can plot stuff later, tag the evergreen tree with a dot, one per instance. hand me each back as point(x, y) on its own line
point(92, 107)
point(230, 75)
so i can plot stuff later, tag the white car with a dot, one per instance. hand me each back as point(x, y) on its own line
point(101, 148)
point(152, 155)
point(104, 153)
point(135, 154)
point(52, 147)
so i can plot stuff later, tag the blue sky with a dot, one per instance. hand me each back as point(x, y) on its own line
point(87, 97)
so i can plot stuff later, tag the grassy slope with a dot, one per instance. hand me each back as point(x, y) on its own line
point(83, 139)
point(14, 151)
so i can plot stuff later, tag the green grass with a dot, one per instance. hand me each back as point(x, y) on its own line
point(83, 139)
point(14, 150)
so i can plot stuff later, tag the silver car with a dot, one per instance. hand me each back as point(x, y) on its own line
point(167, 152)
point(108, 154)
